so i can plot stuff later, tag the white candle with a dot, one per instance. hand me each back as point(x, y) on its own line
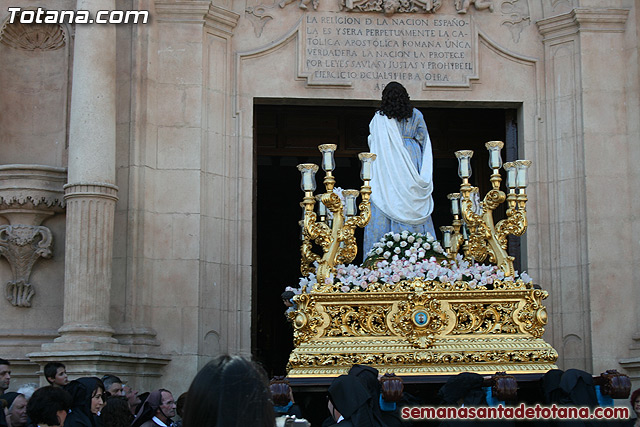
point(327, 161)
point(446, 239)
point(465, 232)
point(307, 182)
point(366, 171)
point(510, 167)
point(327, 151)
point(350, 201)
point(465, 168)
point(494, 147)
point(522, 166)
point(366, 159)
point(308, 171)
point(351, 207)
point(455, 203)
point(464, 163)
point(495, 161)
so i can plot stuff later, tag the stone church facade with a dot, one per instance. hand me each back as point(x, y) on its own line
point(127, 162)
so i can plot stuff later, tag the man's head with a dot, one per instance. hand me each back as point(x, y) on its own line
point(5, 375)
point(132, 398)
point(167, 407)
point(113, 385)
point(56, 374)
point(18, 411)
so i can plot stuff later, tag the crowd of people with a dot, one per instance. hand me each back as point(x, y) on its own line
point(235, 391)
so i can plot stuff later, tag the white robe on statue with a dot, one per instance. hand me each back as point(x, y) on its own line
point(402, 177)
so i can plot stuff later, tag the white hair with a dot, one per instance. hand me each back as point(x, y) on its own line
point(27, 389)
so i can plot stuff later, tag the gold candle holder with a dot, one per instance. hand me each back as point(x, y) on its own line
point(336, 240)
point(486, 239)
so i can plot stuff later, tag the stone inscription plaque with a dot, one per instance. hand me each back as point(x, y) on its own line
point(340, 49)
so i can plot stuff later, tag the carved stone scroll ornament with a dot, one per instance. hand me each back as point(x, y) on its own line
point(462, 6)
point(389, 7)
point(28, 195)
point(22, 245)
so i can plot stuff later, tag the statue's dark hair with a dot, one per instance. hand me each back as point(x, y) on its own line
point(229, 391)
point(395, 102)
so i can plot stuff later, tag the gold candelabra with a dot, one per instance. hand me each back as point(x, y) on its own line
point(334, 235)
point(473, 229)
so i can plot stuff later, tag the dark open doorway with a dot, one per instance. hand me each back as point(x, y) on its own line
point(286, 135)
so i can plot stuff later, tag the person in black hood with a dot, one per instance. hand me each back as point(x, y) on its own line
point(88, 399)
point(464, 389)
point(156, 410)
point(385, 412)
point(349, 403)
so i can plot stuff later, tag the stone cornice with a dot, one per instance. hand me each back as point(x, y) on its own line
point(35, 185)
point(583, 20)
point(221, 19)
point(182, 11)
point(197, 12)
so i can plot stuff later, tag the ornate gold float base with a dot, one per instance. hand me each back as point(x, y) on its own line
point(421, 328)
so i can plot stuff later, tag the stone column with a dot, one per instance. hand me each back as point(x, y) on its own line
point(90, 193)
point(585, 111)
point(87, 345)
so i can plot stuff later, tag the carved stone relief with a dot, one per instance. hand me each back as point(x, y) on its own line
point(32, 36)
point(28, 195)
point(22, 245)
point(261, 14)
point(519, 17)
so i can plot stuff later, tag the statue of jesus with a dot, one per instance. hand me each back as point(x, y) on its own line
point(402, 175)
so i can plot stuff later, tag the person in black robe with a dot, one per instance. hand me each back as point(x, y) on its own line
point(85, 392)
point(349, 403)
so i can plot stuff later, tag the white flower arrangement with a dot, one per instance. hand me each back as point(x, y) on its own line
point(416, 260)
point(412, 246)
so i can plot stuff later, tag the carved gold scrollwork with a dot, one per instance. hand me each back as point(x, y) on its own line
point(402, 362)
point(515, 224)
point(305, 320)
point(359, 320)
point(484, 318)
point(421, 327)
point(532, 317)
point(419, 319)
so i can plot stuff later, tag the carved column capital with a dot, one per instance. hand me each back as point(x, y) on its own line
point(101, 190)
